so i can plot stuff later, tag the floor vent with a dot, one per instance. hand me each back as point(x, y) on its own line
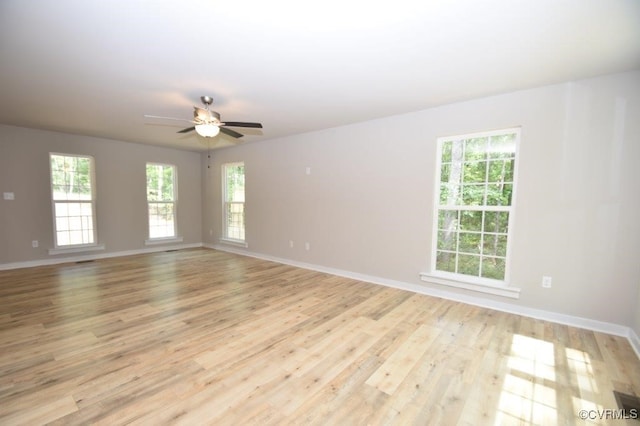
point(84, 261)
point(629, 403)
point(169, 251)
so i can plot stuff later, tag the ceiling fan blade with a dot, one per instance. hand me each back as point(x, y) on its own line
point(242, 124)
point(231, 133)
point(167, 118)
point(187, 130)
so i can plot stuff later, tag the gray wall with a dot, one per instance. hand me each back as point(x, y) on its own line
point(120, 190)
point(367, 205)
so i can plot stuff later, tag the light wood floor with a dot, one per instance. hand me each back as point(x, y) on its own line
point(206, 337)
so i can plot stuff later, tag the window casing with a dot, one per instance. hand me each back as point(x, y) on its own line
point(161, 200)
point(233, 185)
point(73, 200)
point(476, 176)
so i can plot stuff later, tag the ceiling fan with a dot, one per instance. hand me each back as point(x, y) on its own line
point(207, 122)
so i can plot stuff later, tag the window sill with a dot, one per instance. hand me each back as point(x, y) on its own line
point(76, 249)
point(232, 242)
point(496, 290)
point(160, 241)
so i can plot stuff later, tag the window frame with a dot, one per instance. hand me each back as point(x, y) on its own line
point(173, 202)
point(457, 279)
point(225, 218)
point(60, 248)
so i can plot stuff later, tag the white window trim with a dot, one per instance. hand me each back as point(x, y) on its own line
point(78, 248)
point(234, 242)
point(225, 239)
point(75, 248)
point(176, 237)
point(162, 240)
point(498, 289)
point(479, 284)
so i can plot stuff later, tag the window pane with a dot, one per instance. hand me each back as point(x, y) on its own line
point(501, 171)
point(444, 195)
point(503, 146)
point(75, 237)
point(475, 149)
point(447, 240)
point(495, 245)
point(74, 209)
point(62, 224)
point(75, 223)
point(473, 195)
point(469, 265)
point(59, 192)
point(499, 194)
point(496, 222)
point(61, 209)
point(445, 172)
point(87, 222)
point(493, 268)
point(471, 220)
point(448, 220)
point(62, 238)
point(475, 172)
point(469, 242)
point(85, 209)
point(446, 262)
point(446, 151)
point(450, 194)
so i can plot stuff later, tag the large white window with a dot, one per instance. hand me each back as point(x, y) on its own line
point(233, 201)
point(161, 200)
point(73, 200)
point(474, 206)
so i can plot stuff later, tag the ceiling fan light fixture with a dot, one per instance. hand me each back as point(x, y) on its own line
point(207, 130)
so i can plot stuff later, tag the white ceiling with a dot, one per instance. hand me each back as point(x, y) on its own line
point(96, 67)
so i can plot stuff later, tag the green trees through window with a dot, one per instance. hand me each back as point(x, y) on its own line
point(476, 184)
point(161, 200)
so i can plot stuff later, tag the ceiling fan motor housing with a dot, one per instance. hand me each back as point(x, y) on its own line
point(206, 116)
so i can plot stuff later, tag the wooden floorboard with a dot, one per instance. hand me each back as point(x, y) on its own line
point(206, 337)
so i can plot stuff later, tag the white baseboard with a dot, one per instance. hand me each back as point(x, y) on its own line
point(579, 322)
point(635, 342)
point(71, 259)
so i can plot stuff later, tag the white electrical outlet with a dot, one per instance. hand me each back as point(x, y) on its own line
point(35, 243)
point(546, 282)
point(307, 246)
point(291, 243)
point(8, 196)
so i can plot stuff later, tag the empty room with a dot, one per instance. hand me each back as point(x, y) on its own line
point(333, 213)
